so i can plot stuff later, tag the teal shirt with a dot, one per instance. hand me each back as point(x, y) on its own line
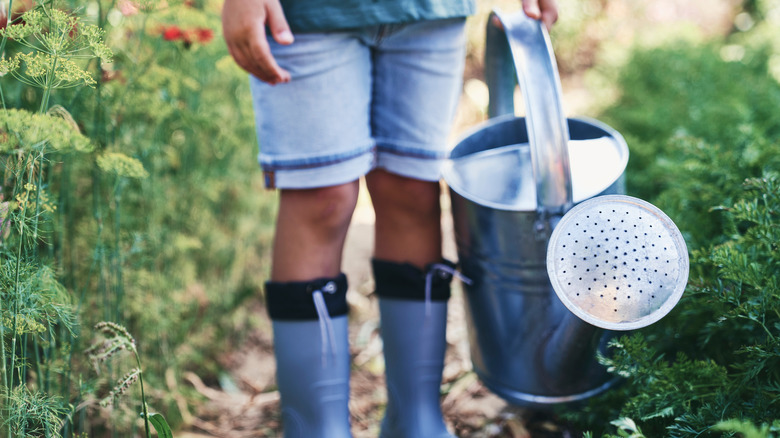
point(322, 15)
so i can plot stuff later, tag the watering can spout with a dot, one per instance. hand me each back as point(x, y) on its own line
point(570, 345)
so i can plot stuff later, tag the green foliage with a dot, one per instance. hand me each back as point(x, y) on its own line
point(161, 426)
point(704, 149)
point(35, 301)
point(627, 428)
point(128, 192)
point(695, 132)
point(748, 430)
point(725, 338)
point(31, 414)
point(668, 384)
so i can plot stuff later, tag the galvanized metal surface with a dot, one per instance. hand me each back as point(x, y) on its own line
point(537, 75)
point(511, 180)
point(502, 177)
point(618, 262)
point(526, 346)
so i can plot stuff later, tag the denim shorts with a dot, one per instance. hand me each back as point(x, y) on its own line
point(375, 97)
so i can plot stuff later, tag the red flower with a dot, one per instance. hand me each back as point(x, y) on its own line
point(200, 34)
point(172, 33)
point(204, 35)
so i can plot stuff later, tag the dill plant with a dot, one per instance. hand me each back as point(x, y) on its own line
point(145, 195)
point(37, 318)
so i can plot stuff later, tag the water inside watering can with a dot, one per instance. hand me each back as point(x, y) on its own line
point(503, 177)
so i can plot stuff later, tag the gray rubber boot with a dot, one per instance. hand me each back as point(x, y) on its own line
point(413, 333)
point(312, 356)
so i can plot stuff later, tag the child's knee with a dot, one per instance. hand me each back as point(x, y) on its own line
point(325, 207)
point(410, 195)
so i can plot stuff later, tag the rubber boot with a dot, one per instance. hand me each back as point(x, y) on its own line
point(312, 356)
point(413, 328)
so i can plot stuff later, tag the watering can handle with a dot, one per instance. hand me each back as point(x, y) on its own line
point(523, 47)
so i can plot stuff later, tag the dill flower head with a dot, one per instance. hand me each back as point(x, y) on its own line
point(27, 130)
point(121, 165)
point(57, 41)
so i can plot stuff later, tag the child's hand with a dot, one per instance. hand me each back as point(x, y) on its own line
point(243, 25)
point(545, 10)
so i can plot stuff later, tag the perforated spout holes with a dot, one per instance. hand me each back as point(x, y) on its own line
point(617, 262)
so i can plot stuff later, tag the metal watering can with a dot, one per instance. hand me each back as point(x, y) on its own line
point(558, 259)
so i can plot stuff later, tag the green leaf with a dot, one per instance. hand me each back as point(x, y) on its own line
point(665, 412)
point(160, 425)
point(744, 428)
point(627, 428)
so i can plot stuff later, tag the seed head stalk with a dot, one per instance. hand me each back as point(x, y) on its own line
point(38, 187)
point(143, 395)
point(49, 86)
point(117, 255)
point(144, 408)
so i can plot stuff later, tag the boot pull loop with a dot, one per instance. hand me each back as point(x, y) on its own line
point(326, 324)
point(441, 269)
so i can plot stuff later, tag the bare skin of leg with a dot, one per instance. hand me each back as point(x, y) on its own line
point(408, 218)
point(310, 231)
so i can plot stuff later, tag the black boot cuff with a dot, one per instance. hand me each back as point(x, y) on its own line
point(294, 300)
point(406, 281)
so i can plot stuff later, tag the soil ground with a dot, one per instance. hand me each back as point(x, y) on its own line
point(247, 404)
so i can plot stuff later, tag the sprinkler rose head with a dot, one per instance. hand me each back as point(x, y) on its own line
point(617, 262)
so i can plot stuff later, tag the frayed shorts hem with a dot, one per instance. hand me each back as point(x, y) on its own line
point(332, 174)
